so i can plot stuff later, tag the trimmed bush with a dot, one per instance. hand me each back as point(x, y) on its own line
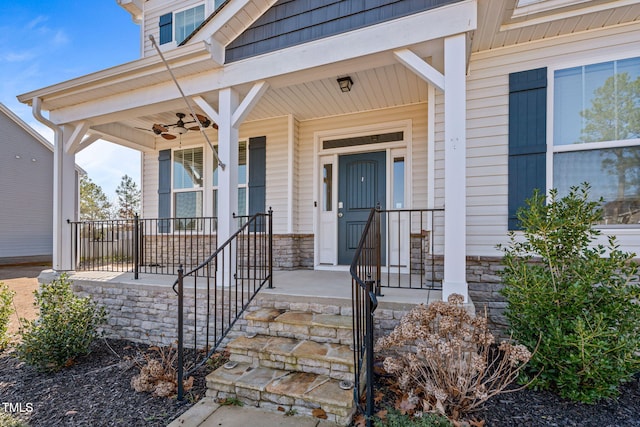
point(576, 301)
point(6, 308)
point(65, 329)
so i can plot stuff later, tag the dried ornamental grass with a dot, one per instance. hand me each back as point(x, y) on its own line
point(160, 377)
point(447, 357)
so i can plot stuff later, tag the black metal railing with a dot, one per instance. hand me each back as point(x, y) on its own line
point(365, 275)
point(151, 246)
point(410, 260)
point(213, 295)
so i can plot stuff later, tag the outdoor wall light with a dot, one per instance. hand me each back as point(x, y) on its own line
point(345, 84)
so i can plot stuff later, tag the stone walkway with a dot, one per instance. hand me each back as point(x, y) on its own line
point(207, 413)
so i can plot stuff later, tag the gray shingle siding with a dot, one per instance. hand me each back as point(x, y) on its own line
point(292, 22)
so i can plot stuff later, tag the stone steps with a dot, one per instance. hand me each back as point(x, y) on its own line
point(291, 354)
point(280, 390)
point(290, 361)
point(303, 325)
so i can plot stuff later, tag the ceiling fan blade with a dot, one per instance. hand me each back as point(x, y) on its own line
point(158, 128)
point(168, 136)
point(194, 128)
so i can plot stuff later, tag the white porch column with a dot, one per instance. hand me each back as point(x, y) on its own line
point(228, 153)
point(455, 118)
point(64, 199)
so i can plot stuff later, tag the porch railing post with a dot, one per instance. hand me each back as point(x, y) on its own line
point(136, 247)
point(270, 254)
point(180, 332)
point(378, 244)
point(369, 309)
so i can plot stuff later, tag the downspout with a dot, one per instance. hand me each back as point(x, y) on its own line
point(36, 107)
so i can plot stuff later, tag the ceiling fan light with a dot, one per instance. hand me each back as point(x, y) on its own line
point(181, 130)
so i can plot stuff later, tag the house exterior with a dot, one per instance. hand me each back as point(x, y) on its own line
point(26, 167)
point(463, 105)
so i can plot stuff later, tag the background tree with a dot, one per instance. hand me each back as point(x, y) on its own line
point(94, 204)
point(128, 197)
point(614, 115)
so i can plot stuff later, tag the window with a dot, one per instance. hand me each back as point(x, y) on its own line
point(187, 21)
point(180, 25)
point(398, 183)
point(242, 181)
point(187, 185)
point(327, 187)
point(596, 135)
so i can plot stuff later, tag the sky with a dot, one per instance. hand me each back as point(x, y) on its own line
point(47, 42)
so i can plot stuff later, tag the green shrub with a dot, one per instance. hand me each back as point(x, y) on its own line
point(8, 420)
point(65, 329)
point(6, 308)
point(576, 301)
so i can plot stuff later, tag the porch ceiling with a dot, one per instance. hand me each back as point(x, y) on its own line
point(501, 24)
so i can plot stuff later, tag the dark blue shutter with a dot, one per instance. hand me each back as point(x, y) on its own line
point(166, 28)
point(527, 138)
point(164, 190)
point(257, 176)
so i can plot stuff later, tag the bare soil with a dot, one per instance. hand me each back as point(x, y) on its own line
point(23, 280)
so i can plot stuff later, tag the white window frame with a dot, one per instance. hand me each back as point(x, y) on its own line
point(199, 189)
point(588, 146)
point(244, 185)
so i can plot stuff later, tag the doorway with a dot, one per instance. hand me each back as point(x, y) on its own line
point(361, 186)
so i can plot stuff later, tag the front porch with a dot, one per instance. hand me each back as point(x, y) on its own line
point(145, 310)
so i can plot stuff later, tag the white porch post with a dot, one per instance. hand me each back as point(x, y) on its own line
point(64, 200)
point(228, 153)
point(455, 167)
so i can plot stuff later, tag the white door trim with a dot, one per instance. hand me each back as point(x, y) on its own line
point(321, 157)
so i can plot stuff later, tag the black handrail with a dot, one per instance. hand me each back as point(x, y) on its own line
point(365, 277)
point(232, 276)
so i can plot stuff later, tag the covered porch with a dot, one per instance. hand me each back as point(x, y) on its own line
point(405, 104)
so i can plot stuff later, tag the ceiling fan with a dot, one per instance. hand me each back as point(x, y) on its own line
point(167, 131)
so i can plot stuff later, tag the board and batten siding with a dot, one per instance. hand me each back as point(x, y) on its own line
point(487, 125)
point(26, 171)
point(416, 113)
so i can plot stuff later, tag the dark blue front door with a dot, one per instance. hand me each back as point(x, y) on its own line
point(361, 186)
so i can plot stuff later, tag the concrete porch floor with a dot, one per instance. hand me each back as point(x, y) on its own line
point(324, 286)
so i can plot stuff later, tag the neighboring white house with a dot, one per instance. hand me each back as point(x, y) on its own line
point(26, 168)
point(467, 105)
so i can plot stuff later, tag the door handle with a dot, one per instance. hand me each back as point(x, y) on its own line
point(340, 214)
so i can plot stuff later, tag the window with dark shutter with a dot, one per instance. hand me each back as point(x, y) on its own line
point(527, 138)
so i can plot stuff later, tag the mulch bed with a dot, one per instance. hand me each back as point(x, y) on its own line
point(532, 408)
point(95, 391)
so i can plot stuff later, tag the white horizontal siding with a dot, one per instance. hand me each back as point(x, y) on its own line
point(487, 124)
point(276, 131)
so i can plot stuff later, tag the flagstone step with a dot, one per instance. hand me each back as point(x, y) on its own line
point(334, 360)
point(302, 393)
point(331, 328)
